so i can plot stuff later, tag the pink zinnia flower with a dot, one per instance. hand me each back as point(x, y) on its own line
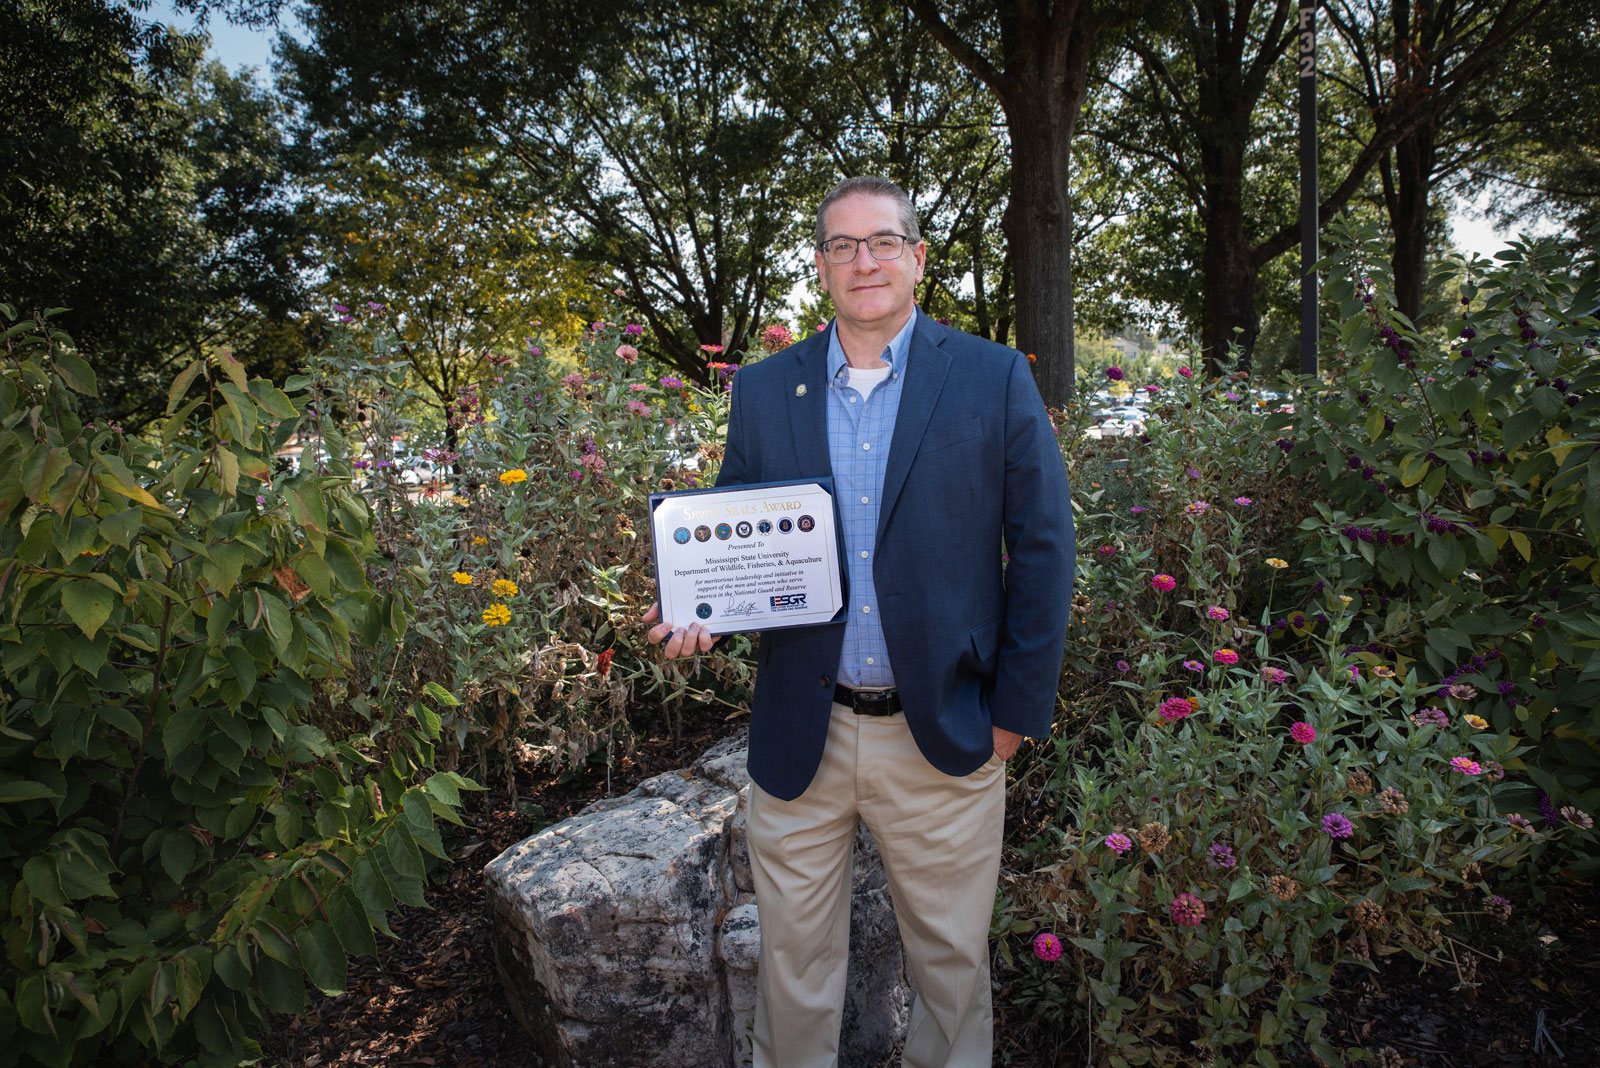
point(1107, 550)
point(1185, 372)
point(1176, 708)
point(1225, 656)
point(1303, 732)
point(1198, 507)
point(1118, 843)
point(572, 381)
point(1187, 910)
point(1243, 502)
point(1276, 676)
point(628, 353)
point(1217, 612)
point(1193, 665)
point(638, 407)
point(1137, 509)
point(1466, 765)
point(1164, 582)
point(1337, 825)
point(1152, 390)
point(638, 387)
point(1046, 946)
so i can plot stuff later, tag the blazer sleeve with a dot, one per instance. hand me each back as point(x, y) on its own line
point(1039, 537)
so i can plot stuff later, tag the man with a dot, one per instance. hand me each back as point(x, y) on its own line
point(957, 529)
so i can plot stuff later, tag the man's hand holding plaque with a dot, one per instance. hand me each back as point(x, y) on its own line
point(744, 558)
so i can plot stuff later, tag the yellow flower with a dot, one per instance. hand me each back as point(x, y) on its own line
point(516, 474)
point(461, 577)
point(1477, 723)
point(1383, 672)
point(480, 540)
point(497, 615)
point(459, 500)
point(1274, 562)
point(504, 588)
point(1344, 598)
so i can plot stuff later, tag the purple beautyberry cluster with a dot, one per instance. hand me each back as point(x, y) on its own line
point(1472, 666)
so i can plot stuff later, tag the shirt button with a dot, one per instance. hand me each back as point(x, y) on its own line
point(863, 554)
point(871, 661)
point(824, 681)
point(867, 445)
point(866, 608)
point(854, 399)
point(863, 500)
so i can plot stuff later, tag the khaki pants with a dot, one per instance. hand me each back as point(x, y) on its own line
point(940, 838)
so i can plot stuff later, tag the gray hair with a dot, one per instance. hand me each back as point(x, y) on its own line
point(869, 186)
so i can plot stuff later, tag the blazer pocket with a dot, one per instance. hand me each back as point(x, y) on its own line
point(954, 434)
point(986, 641)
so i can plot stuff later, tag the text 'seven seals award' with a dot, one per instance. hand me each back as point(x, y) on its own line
point(755, 557)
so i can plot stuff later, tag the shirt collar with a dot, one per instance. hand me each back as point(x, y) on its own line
point(894, 356)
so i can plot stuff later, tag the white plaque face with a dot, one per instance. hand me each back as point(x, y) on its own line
point(747, 557)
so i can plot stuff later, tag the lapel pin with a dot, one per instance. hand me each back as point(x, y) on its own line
point(800, 390)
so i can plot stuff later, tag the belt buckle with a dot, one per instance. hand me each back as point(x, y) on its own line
point(872, 702)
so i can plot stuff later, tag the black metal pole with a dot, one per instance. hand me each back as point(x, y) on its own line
point(1308, 186)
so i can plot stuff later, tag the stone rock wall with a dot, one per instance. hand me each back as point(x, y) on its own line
point(627, 936)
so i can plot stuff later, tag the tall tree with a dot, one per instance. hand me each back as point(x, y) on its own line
point(870, 92)
point(1036, 57)
point(1428, 59)
point(141, 190)
point(455, 259)
point(655, 160)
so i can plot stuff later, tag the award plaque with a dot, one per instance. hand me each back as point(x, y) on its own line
point(755, 557)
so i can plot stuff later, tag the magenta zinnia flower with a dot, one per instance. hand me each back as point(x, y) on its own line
point(1303, 732)
point(1118, 843)
point(1193, 665)
point(1176, 708)
point(1185, 372)
point(1115, 373)
point(1164, 582)
point(1217, 612)
point(1276, 676)
point(1466, 765)
point(1337, 825)
point(1225, 656)
point(1046, 946)
point(1188, 910)
point(1220, 856)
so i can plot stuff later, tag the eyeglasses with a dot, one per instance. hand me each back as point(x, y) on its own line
point(840, 250)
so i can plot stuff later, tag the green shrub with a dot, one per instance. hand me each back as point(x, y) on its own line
point(1235, 838)
point(1458, 495)
point(189, 829)
point(527, 565)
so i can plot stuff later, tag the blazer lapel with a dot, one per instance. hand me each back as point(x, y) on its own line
point(927, 366)
point(806, 398)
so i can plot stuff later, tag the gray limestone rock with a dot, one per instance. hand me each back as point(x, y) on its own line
point(627, 935)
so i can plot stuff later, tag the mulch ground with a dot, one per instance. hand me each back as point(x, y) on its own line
point(431, 997)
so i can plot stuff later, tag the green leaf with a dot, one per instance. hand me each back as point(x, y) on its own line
point(233, 369)
point(177, 855)
point(304, 497)
point(349, 921)
point(120, 528)
point(344, 564)
point(401, 862)
point(76, 373)
point(281, 986)
point(244, 667)
point(322, 956)
point(41, 470)
point(181, 384)
point(25, 790)
point(88, 604)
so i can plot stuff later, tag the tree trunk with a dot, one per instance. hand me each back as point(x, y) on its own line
point(1408, 217)
point(1038, 229)
point(1228, 276)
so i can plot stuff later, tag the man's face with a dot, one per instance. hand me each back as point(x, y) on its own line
point(869, 293)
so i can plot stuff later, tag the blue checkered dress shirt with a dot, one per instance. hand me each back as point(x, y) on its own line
point(859, 431)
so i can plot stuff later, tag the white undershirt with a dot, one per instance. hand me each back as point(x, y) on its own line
point(865, 379)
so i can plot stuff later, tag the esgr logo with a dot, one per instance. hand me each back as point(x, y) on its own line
point(789, 600)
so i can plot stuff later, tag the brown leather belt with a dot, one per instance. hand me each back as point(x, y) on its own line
point(868, 702)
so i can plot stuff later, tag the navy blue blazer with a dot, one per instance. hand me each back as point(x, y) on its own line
point(974, 474)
